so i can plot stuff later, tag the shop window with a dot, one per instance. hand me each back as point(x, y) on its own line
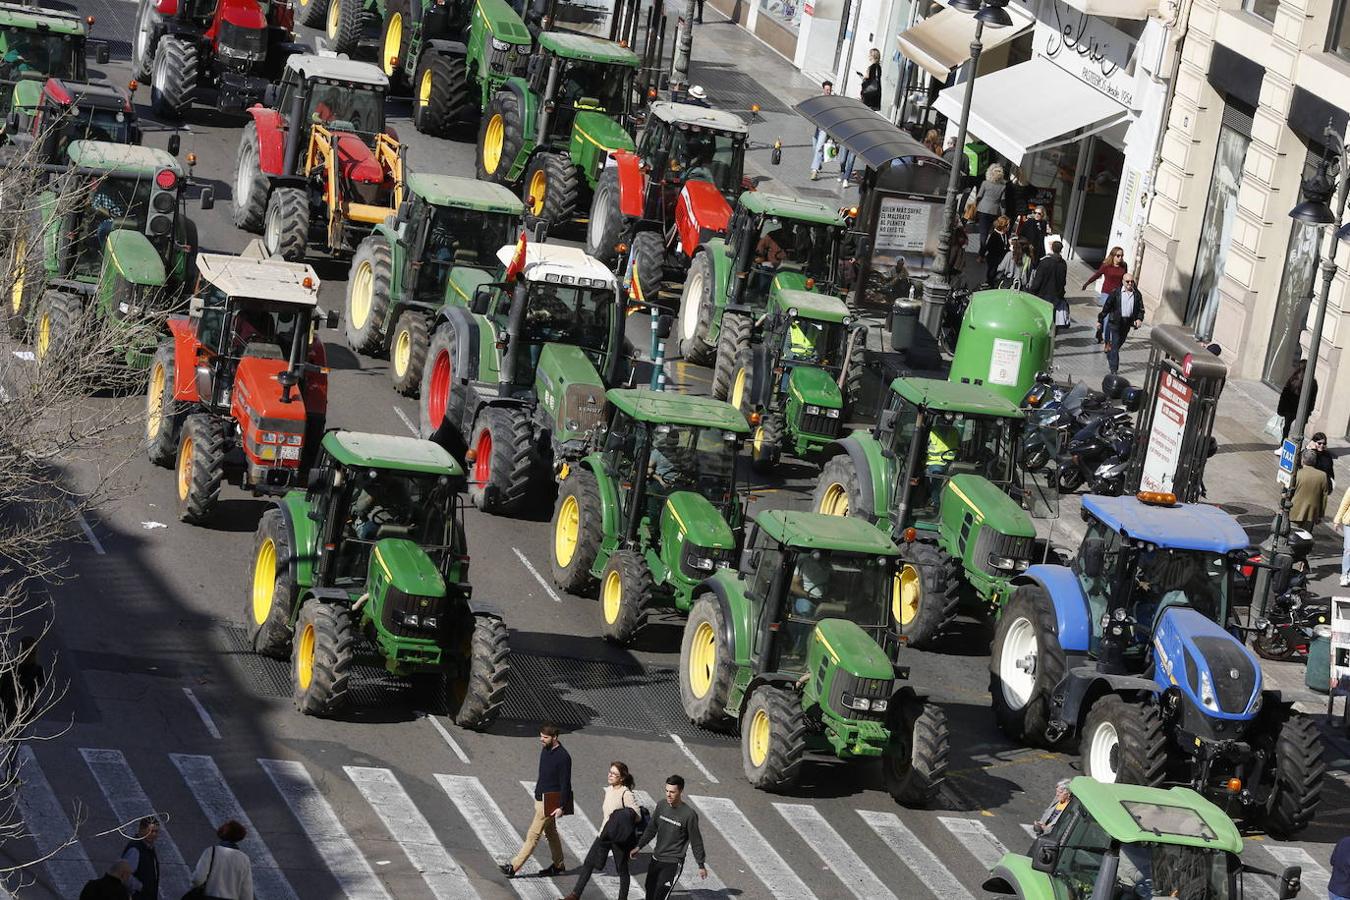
point(787, 13)
point(1262, 9)
point(1220, 211)
point(1296, 290)
point(1339, 40)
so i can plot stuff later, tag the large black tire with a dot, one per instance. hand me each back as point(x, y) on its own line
point(174, 80)
point(25, 267)
point(343, 21)
point(286, 225)
point(626, 594)
point(838, 490)
point(1299, 773)
point(606, 224)
point(500, 474)
point(476, 697)
point(1026, 643)
point(322, 653)
point(502, 124)
point(200, 468)
point(917, 764)
point(162, 414)
point(697, 307)
point(773, 738)
point(311, 13)
point(551, 188)
point(438, 416)
point(250, 185)
point(368, 295)
point(856, 377)
point(766, 444)
point(1123, 742)
point(57, 329)
point(149, 28)
point(442, 98)
point(1070, 477)
point(269, 596)
point(707, 668)
point(649, 262)
point(577, 531)
point(408, 351)
point(926, 593)
point(733, 345)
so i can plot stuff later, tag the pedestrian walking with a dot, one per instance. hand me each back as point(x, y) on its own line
point(1325, 461)
point(1055, 809)
point(1289, 394)
point(618, 835)
point(697, 96)
point(870, 91)
point(1310, 492)
point(994, 249)
point(675, 827)
point(1014, 270)
point(224, 872)
point(1338, 888)
point(1048, 283)
point(932, 139)
point(951, 154)
point(1111, 272)
point(989, 200)
point(1122, 312)
point(1341, 521)
point(818, 142)
point(112, 885)
point(140, 855)
point(1034, 230)
point(552, 798)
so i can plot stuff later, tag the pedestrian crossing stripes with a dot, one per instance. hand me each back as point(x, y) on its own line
point(915, 855)
point(489, 823)
point(745, 838)
point(834, 851)
point(1315, 877)
point(709, 888)
point(68, 866)
point(976, 837)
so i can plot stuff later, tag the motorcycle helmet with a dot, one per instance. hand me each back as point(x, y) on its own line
point(1133, 398)
point(1114, 386)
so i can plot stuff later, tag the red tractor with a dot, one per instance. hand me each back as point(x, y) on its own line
point(218, 53)
point(71, 111)
point(242, 386)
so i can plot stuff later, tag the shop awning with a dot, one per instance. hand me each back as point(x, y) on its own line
point(1120, 9)
point(1051, 108)
point(874, 139)
point(941, 42)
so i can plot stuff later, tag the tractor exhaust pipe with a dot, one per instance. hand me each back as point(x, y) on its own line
point(515, 327)
point(550, 98)
point(293, 133)
point(295, 365)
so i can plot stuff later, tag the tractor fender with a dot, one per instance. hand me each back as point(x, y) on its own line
point(728, 590)
point(1081, 691)
point(185, 348)
point(1014, 875)
point(529, 114)
point(700, 213)
point(271, 140)
point(784, 680)
point(1071, 608)
point(465, 354)
point(446, 48)
point(632, 183)
point(610, 525)
point(168, 8)
point(295, 513)
point(485, 609)
point(325, 595)
point(872, 467)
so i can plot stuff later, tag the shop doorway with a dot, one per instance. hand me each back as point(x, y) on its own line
point(1093, 204)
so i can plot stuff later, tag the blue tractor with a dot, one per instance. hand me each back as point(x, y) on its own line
point(1131, 647)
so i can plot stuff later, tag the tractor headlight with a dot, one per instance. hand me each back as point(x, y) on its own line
point(295, 440)
point(412, 620)
point(702, 563)
point(812, 409)
point(880, 705)
point(430, 623)
point(863, 704)
point(1207, 692)
point(1007, 563)
point(831, 413)
point(269, 437)
point(498, 44)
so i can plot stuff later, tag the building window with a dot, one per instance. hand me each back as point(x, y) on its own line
point(1339, 42)
point(1264, 9)
point(1202, 306)
point(787, 13)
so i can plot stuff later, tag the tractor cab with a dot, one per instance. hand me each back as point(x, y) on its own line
point(782, 243)
point(682, 143)
point(452, 222)
point(65, 112)
point(580, 79)
point(338, 94)
point(806, 328)
point(37, 43)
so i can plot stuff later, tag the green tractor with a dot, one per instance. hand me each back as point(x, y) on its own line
point(654, 510)
point(399, 276)
point(516, 372)
point(37, 43)
point(371, 561)
point(799, 376)
point(793, 648)
point(1118, 840)
point(938, 472)
point(730, 279)
point(124, 249)
point(552, 132)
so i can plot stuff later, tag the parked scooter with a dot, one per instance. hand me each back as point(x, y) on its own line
point(1067, 410)
point(1294, 616)
point(1098, 454)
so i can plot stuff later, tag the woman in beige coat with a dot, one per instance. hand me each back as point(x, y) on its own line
point(1342, 523)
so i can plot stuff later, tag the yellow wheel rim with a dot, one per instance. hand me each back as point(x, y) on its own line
point(402, 352)
point(738, 388)
point(493, 137)
point(424, 88)
point(333, 17)
point(154, 405)
point(568, 531)
point(304, 657)
point(264, 581)
point(44, 335)
point(611, 597)
point(20, 269)
point(759, 440)
point(538, 188)
point(906, 595)
point(702, 659)
point(185, 468)
point(834, 502)
point(363, 294)
point(393, 40)
point(758, 736)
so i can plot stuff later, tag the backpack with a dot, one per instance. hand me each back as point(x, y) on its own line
point(644, 820)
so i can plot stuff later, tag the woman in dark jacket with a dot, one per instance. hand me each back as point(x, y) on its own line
point(994, 249)
point(1288, 406)
point(618, 834)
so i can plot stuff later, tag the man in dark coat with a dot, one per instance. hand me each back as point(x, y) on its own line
point(1325, 461)
point(1122, 311)
point(112, 886)
point(139, 853)
point(1033, 230)
point(1048, 283)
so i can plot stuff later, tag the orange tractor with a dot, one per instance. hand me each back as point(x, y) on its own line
point(241, 388)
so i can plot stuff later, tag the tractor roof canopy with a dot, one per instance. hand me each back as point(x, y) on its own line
point(1184, 526)
point(389, 451)
point(955, 396)
point(810, 305)
point(98, 94)
point(688, 114)
point(55, 21)
point(761, 203)
point(255, 278)
point(122, 159)
point(817, 531)
point(665, 408)
point(1133, 814)
point(310, 65)
point(551, 262)
point(453, 190)
point(570, 45)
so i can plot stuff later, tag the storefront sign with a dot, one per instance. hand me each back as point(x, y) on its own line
point(1164, 443)
point(904, 225)
point(1089, 49)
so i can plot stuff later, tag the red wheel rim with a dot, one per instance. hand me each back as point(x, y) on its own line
point(438, 398)
point(482, 464)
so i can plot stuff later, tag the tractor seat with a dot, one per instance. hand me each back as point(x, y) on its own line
point(832, 610)
point(356, 161)
point(393, 530)
point(260, 348)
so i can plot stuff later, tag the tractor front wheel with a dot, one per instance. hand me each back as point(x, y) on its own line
point(606, 223)
point(576, 531)
point(773, 738)
point(436, 420)
point(270, 595)
point(925, 593)
point(342, 24)
point(286, 225)
point(476, 696)
point(766, 444)
point(149, 27)
point(161, 409)
point(838, 490)
point(57, 326)
point(626, 591)
point(322, 653)
point(697, 308)
point(250, 185)
point(173, 82)
point(1123, 743)
point(368, 295)
point(706, 666)
point(200, 467)
point(1299, 772)
point(551, 187)
point(733, 351)
point(915, 763)
point(500, 138)
point(442, 97)
point(408, 352)
point(649, 262)
point(1026, 662)
point(312, 13)
point(503, 460)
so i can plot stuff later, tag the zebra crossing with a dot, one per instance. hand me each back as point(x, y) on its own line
point(793, 849)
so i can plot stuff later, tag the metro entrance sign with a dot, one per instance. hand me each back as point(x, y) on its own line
point(1288, 453)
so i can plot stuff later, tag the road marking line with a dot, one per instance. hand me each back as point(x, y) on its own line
point(694, 887)
point(412, 832)
point(489, 823)
point(1315, 878)
point(129, 804)
point(1030, 830)
point(219, 804)
point(67, 864)
point(914, 855)
point(84, 526)
point(976, 837)
point(764, 861)
point(578, 834)
point(684, 748)
point(406, 421)
point(837, 854)
point(537, 577)
point(205, 716)
point(25, 355)
point(445, 733)
point(321, 825)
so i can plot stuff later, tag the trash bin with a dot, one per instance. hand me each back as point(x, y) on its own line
point(904, 324)
point(1318, 675)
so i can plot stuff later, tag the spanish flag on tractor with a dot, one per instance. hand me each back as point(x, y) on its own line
point(636, 298)
point(517, 264)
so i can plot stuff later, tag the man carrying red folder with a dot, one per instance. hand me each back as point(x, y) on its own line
point(552, 798)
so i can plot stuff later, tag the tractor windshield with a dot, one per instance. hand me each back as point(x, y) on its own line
point(953, 443)
point(569, 314)
point(813, 341)
point(114, 203)
point(345, 106)
point(590, 85)
point(1167, 870)
point(458, 236)
point(88, 123)
point(40, 52)
point(702, 155)
point(386, 503)
point(1193, 578)
point(691, 458)
point(788, 246)
point(831, 584)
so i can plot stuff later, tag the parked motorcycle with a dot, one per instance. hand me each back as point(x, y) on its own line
point(1098, 454)
point(1066, 410)
point(1294, 616)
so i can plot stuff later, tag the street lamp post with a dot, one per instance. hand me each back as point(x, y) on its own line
point(938, 286)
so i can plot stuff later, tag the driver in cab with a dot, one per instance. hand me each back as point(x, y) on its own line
point(379, 504)
point(769, 255)
point(944, 440)
point(806, 593)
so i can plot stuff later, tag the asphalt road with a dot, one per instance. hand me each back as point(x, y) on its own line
point(164, 710)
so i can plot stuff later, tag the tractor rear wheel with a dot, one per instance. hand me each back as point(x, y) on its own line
point(766, 444)
point(550, 189)
point(368, 294)
point(773, 738)
point(503, 448)
point(500, 138)
point(1026, 663)
point(162, 416)
point(626, 591)
point(606, 223)
point(393, 43)
point(925, 593)
point(174, 80)
point(838, 490)
point(1299, 772)
point(269, 598)
point(916, 762)
point(706, 666)
point(476, 698)
point(697, 308)
point(322, 653)
point(649, 262)
point(200, 467)
point(56, 328)
point(408, 352)
point(577, 531)
point(286, 225)
point(250, 185)
point(343, 24)
point(312, 13)
point(437, 420)
point(733, 346)
point(442, 96)
point(1123, 742)
point(25, 270)
point(149, 27)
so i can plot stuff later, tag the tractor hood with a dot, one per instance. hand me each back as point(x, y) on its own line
point(599, 129)
point(811, 385)
point(698, 520)
point(990, 505)
point(406, 567)
point(1218, 675)
point(257, 396)
point(850, 648)
point(134, 259)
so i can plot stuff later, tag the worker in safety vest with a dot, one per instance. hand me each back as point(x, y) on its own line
point(943, 442)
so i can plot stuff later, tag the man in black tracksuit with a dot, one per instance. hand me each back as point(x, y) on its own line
point(675, 826)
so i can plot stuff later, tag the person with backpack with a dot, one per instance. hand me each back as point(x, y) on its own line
point(674, 824)
point(620, 815)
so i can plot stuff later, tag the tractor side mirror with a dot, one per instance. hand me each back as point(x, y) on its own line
point(481, 298)
point(776, 156)
point(404, 212)
point(208, 198)
point(270, 96)
point(330, 318)
point(1291, 881)
point(102, 55)
point(175, 142)
point(196, 305)
point(1044, 854)
point(663, 325)
point(1094, 557)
